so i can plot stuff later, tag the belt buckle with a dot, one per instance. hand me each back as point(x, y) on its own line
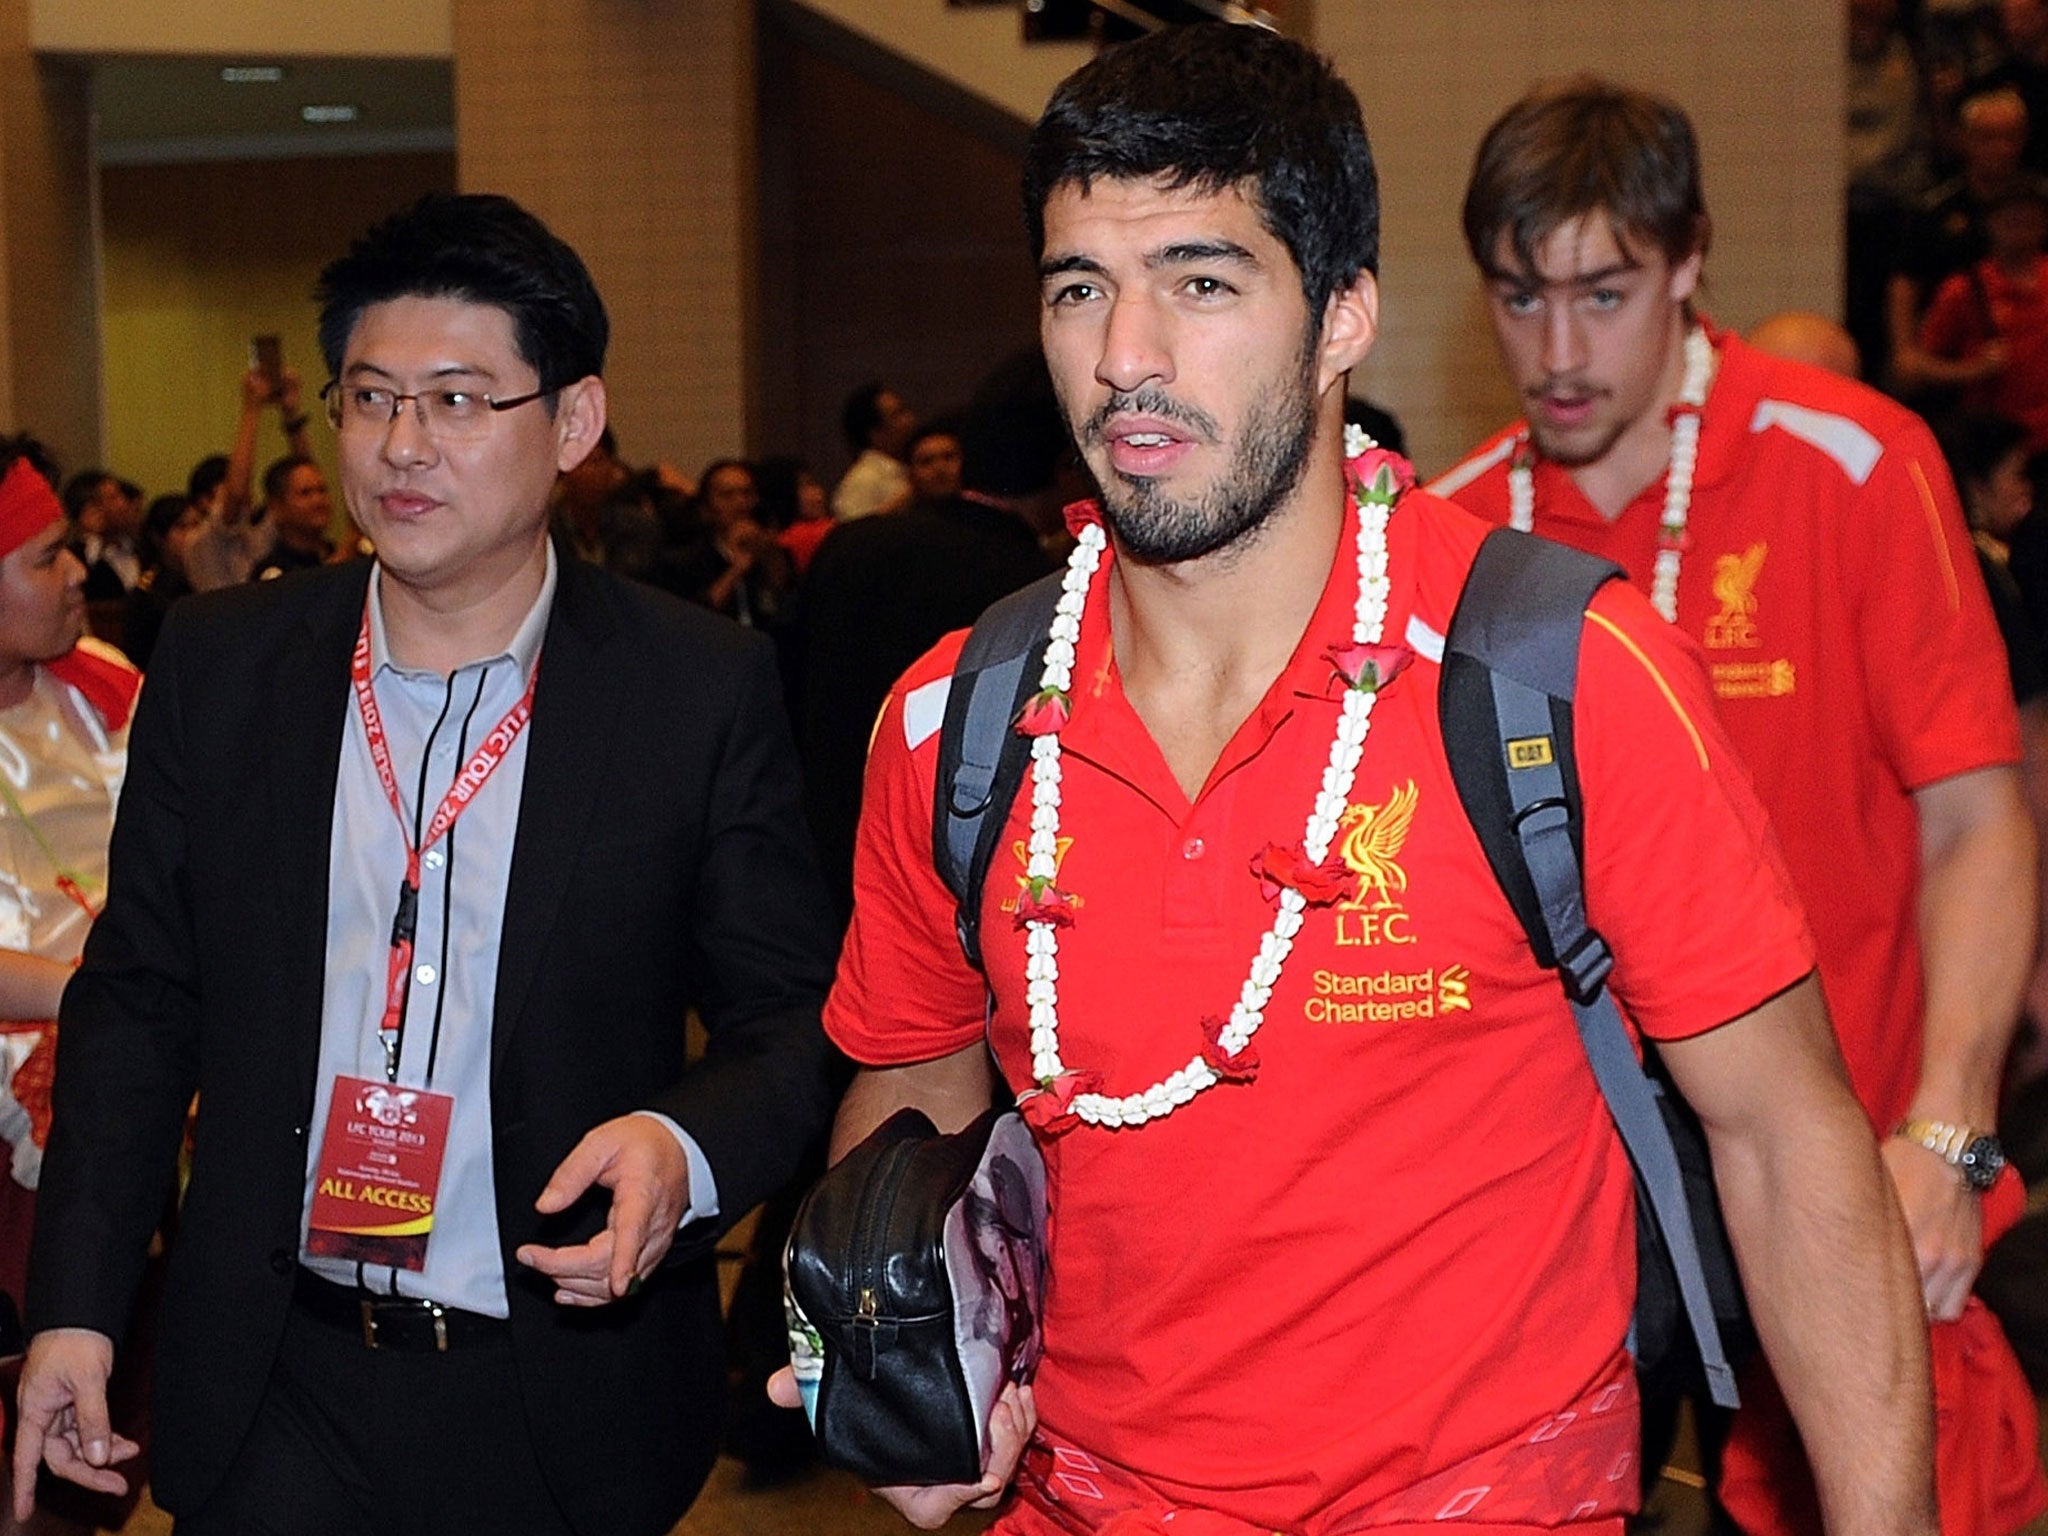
point(434, 1310)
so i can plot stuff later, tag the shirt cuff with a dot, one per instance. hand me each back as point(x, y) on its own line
point(703, 1187)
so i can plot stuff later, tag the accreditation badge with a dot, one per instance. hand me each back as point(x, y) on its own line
point(379, 1171)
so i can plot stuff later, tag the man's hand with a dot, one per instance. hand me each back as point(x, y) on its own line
point(289, 387)
point(640, 1161)
point(63, 1408)
point(1010, 1429)
point(1946, 1223)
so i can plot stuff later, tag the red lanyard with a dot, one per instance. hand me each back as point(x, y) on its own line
point(494, 749)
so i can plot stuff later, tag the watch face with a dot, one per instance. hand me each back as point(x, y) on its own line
point(1983, 1161)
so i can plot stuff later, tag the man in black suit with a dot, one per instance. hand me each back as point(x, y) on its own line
point(443, 1262)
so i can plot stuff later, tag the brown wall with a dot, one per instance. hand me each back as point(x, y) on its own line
point(628, 125)
point(199, 258)
point(1761, 79)
point(891, 246)
point(49, 337)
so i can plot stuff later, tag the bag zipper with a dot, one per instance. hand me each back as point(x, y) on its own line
point(877, 1207)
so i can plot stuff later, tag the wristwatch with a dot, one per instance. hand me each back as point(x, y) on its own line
point(1974, 1154)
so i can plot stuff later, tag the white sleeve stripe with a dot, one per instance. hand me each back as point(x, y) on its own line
point(1846, 442)
point(924, 711)
point(1454, 480)
point(1424, 641)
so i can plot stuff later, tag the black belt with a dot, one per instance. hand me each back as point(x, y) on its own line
point(395, 1322)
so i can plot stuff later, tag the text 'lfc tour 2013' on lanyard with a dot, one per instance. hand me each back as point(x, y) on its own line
point(493, 750)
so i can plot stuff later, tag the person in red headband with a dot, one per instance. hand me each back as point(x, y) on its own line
point(64, 706)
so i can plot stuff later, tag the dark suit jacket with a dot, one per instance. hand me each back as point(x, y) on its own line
point(659, 864)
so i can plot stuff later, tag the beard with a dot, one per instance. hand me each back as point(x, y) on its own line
point(1266, 464)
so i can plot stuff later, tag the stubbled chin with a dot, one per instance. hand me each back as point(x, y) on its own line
point(1572, 450)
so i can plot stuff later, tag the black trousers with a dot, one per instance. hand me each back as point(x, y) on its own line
point(351, 1441)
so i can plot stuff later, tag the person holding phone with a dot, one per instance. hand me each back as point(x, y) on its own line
point(241, 535)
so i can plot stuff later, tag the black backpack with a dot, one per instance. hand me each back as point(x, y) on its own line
point(1510, 668)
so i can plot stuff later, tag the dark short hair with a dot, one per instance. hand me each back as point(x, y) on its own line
point(1585, 146)
point(159, 520)
point(1014, 437)
point(81, 488)
point(163, 514)
point(279, 475)
point(1974, 442)
point(1377, 422)
point(25, 445)
point(1211, 107)
point(776, 478)
point(701, 502)
point(2024, 191)
point(481, 249)
point(946, 424)
point(704, 479)
point(207, 475)
point(861, 414)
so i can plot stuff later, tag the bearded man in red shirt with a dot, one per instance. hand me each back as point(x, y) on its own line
point(1341, 1233)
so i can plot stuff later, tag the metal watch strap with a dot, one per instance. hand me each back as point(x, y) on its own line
point(1942, 1137)
point(1954, 1144)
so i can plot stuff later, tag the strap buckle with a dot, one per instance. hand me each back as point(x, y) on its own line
point(1585, 967)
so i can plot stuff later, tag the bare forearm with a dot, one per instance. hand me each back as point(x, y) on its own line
point(2034, 781)
point(1978, 893)
point(719, 595)
point(30, 985)
point(1918, 368)
point(1822, 1249)
point(1902, 329)
point(951, 1090)
point(1837, 1303)
point(237, 491)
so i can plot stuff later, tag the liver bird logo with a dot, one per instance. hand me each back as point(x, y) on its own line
point(1734, 584)
point(1735, 581)
point(1369, 839)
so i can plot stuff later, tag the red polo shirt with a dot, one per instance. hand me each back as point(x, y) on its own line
point(1830, 580)
point(1389, 1279)
point(1986, 304)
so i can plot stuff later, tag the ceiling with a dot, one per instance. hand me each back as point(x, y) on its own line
point(164, 110)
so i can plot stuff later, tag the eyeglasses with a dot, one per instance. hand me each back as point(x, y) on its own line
point(447, 415)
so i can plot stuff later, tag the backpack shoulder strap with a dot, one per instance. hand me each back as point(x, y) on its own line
point(1510, 675)
point(981, 758)
point(1518, 623)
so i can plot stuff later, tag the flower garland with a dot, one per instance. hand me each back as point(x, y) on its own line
point(1295, 877)
point(1685, 449)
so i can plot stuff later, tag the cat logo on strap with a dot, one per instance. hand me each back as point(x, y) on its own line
point(1530, 752)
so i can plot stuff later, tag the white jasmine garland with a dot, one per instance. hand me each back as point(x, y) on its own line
point(1685, 448)
point(1375, 507)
